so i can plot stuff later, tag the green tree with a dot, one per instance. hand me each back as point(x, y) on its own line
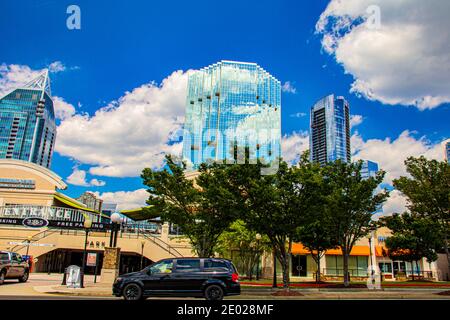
point(413, 238)
point(314, 230)
point(265, 205)
point(351, 201)
point(201, 211)
point(428, 193)
point(243, 246)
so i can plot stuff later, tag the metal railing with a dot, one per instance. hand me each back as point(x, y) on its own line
point(36, 237)
point(155, 238)
point(162, 244)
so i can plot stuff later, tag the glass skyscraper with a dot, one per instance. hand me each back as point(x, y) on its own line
point(369, 169)
point(27, 122)
point(330, 130)
point(232, 107)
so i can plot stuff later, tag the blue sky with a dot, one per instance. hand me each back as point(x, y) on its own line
point(123, 45)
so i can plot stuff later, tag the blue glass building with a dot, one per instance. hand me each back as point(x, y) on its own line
point(330, 130)
point(232, 107)
point(27, 122)
point(369, 169)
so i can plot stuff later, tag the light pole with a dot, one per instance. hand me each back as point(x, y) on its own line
point(115, 226)
point(258, 238)
point(87, 225)
point(142, 254)
point(29, 238)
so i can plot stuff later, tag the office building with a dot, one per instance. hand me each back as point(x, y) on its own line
point(369, 169)
point(447, 150)
point(330, 130)
point(231, 107)
point(91, 201)
point(27, 123)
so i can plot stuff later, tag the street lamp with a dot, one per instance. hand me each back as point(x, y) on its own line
point(258, 238)
point(29, 238)
point(116, 219)
point(370, 237)
point(87, 225)
point(142, 253)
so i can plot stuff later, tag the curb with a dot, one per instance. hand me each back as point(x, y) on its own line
point(71, 292)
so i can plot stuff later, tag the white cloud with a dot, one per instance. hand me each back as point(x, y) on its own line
point(403, 61)
point(288, 87)
point(78, 178)
point(56, 67)
point(125, 199)
point(293, 145)
point(355, 120)
point(396, 203)
point(127, 135)
point(391, 154)
point(298, 115)
point(14, 75)
point(63, 109)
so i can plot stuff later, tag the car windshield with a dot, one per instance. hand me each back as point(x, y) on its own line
point(4, 256)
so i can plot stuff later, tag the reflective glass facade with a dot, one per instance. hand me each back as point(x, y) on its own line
point(369, 169)
point(232, 106)
point(27, 126)
point(330, 130)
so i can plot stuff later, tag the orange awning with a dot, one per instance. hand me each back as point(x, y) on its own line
point(298, 248)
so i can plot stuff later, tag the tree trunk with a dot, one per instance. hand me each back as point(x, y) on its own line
point(346, 275)
point(285, 265)
point(318, 268)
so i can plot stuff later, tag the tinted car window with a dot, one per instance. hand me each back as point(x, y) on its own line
point(162, 267)
point(14, 257)
point(215, 265)
point(4, 256)
point(188, 265)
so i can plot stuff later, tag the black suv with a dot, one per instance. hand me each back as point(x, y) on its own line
point(181, 277)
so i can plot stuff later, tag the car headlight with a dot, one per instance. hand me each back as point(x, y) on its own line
point(119, 279)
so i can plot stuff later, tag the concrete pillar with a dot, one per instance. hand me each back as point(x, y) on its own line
point(165, 232)
point(110, 268)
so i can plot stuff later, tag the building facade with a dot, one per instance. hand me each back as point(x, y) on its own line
point(330, 130)
point(27, 123)
point(447, 150)
point(369, 169)
point(232, 106)
point(91, 201)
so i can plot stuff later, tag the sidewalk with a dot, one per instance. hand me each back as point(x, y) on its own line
point(101, 290)
point(90, 288)
point(45, 284)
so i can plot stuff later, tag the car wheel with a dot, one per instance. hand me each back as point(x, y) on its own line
point(214, 292)
point(2, 277)
point(25, 276)
point(132, 292)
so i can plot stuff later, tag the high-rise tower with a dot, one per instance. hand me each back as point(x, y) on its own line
point(232, 106)
point(27, 122)
point(330, 130)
